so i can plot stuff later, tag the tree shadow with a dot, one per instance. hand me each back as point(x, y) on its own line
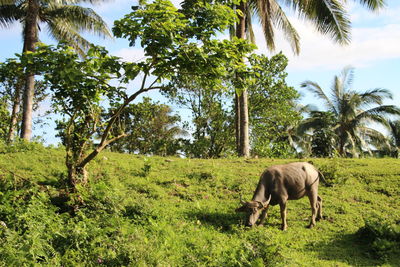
point(223, 222)
point(346, 248)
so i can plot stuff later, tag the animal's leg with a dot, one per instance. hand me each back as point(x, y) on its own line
point(283, 215)
point(319, 212)
point(314, 207)
point(263, 215)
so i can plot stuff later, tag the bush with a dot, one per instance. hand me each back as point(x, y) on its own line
point(381, 236)
point(331, 172)
point(20, 145)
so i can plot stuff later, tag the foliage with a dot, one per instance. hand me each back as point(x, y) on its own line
point(352, 112)
point(329, 17)
point(332, 172)
point(381, 236)
point(63, 20)
point(78, 87)
point(272, 111)
point(213, 133)
point(176, 48)
point(394, 139)
point(11, 82)
point(20, 145)
point(151, 129)
point(323, 139)
point(4, 118)
point(271, 106)
point(182, 213)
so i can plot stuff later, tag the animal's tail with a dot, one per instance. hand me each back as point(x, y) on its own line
point(322, 177)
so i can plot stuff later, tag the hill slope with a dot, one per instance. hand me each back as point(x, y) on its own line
point(142, 211)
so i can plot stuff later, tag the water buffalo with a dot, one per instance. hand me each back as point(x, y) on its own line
point(280, 183)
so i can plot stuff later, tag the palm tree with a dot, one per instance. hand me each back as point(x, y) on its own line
point(394, 138)
point(352, 111)
point(63, 19)
point(328, 16)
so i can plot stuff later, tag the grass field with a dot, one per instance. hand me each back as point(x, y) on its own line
point(153, 211)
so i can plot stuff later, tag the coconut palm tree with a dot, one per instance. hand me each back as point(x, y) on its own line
point(394, 138)
point(329, 17)
point(352, 111)
point(63, 19)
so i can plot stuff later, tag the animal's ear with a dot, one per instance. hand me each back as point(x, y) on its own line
point(241, 209)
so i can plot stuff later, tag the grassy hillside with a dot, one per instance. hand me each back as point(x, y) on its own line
point(155, 211)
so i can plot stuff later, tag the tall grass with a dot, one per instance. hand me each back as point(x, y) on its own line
point(153, 211)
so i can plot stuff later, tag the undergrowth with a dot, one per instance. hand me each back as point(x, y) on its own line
point(139, 211)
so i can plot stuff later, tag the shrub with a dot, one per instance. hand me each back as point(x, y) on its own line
point(381, 236)
point(20, 145)
point(332, 173)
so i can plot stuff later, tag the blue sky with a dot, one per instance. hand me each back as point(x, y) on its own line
point(374, 51)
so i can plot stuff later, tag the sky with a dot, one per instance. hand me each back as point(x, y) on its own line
point(374, 51)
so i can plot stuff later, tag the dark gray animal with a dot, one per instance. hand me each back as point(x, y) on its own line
point(281, 183)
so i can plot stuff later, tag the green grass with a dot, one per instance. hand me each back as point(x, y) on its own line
point(157, 211)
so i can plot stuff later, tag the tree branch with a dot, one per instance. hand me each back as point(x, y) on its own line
point(104, 142)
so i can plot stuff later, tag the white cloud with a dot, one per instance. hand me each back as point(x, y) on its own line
point(368, 45)
point(130, 54)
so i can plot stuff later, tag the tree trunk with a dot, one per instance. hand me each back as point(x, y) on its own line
point(244, 125)
point(237, 123)
point(30, 39)
point(242, 99)
point(76, 175)
point(14, 113)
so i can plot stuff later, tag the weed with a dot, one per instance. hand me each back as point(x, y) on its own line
point(182, 214)
point(382, 237)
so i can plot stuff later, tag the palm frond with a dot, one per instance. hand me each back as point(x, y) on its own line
point(314, 88)
point(337, 93)
point(328, 16)
point(9, 14)
point(373, 4)
point(375, 96)
point(78, 18)
point(262, 9)
point(384, 110)
point(271, 15)
point(306, 126)
point(395, 132)
point(304, 108)
point(282, 22)
point(375, 138)
point(9, 2)
point(249, 29)
point(347, 77)
point(378, 114)
point(61, 31)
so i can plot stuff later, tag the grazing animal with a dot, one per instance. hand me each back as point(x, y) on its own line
point(281, 183)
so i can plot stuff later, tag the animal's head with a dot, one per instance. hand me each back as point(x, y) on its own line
point(253, 210)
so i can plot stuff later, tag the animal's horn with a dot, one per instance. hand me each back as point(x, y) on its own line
point(241, 200)
point(265, 203)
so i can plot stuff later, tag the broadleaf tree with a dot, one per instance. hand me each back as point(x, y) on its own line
point(177, 43)
point(151, 129)
point(272, 107)
point(329, 17)
point(211, 124)
point(64, 20)
point(11, 85)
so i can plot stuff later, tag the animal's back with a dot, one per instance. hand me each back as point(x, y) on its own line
point(290, 180)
